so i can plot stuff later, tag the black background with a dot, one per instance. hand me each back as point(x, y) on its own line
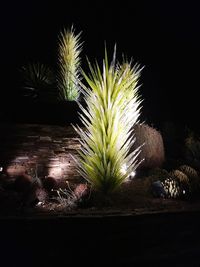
point(163, 36)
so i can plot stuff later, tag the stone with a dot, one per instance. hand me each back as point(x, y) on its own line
point(81, 191)
point(45, 138)
point(15, 170)
point(54, 170)
point(158, 189)
point(42, 145)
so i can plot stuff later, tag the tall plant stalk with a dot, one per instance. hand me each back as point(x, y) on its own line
point(69, 64)
point(113, 107)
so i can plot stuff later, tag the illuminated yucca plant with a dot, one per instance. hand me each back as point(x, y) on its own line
point(113, 107)
point(69, 64)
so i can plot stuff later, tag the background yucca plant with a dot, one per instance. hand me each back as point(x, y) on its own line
point(69, 64)
point(113, 107)
point(38, 81)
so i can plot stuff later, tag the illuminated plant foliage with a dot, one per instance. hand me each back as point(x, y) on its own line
point(69, 63)
point(113, 107)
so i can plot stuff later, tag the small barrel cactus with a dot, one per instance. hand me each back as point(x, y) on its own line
point(172, 188)
point(193, 176)
point(182, 181)
point(176, 185)
point(189, 171)
point(180, 176)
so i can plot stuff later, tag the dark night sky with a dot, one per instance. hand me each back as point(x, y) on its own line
point(162, 35)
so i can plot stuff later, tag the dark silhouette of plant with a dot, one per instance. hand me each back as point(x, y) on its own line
point(38, 80)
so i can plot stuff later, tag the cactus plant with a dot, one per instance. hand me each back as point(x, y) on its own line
point(38, 81)
point(172, 188)
point(69, 64)
point(177, 185)
point(113, 107)
point(153, 147)
point(181, 177)
point(193, 176)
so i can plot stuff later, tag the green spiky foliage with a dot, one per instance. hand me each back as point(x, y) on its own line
point(113, 107)
point(38, 80)
point(69, 65)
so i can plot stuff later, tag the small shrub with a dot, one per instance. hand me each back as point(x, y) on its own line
point(67, 198)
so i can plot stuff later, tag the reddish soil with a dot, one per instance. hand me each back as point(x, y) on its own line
point(133, 198)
